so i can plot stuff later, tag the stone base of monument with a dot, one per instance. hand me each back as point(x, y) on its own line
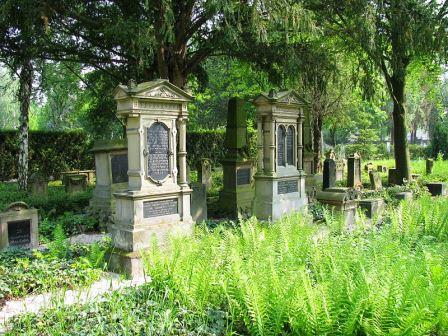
point(342, 201)
point(103, 197)
point(144, 219)
point(373, 208)
point(235, 200)
point(279, 196)
point(437, 188)
point(129, 263)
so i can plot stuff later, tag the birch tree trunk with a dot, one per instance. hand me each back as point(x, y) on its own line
point(25, 82)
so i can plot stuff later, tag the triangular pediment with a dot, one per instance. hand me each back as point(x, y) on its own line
point(283, 97)
point(158, 89)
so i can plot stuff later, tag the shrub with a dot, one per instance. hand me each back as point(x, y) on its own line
point(51, 152)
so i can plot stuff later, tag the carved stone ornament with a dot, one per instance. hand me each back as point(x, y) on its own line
point(161, 92)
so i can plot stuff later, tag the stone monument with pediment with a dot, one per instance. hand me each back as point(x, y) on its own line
point(156, 202)
point(280, 179)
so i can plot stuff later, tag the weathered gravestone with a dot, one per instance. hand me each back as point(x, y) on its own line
point(373, 208)
point(76, 183)
point(391, 179)
point(375, 180)
point(343, 201)
point(198, 202)
point(381, 169)
point(340, 169)
point(204, 168)
point(329, 175)
point(368, 167)
point(437, 188)
point(111, 166)
point(237, 195)
point(19, 226)
point(429, 166)
point(90, 175)
point(404, 195)
point(354, 171)
point(38, 184)
point(156, 202)
point(280, 180)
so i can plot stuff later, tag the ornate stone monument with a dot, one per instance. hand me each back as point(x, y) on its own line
point(280, 179)
point(354, 171)
point(19, 226)
point(156, 202)
point(237, 195)
point(111, 166)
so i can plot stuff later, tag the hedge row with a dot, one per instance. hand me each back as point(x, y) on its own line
point(54, 152)
point(51, 152)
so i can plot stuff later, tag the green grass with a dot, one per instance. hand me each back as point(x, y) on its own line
point(280, 279)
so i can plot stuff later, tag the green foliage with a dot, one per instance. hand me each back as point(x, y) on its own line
point(439, 140)
point(284, 278)
point(56, 204)
point(50, 152)
point(23, 272)
point(70, 223)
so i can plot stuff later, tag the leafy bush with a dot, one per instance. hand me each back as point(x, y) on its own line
point(418, 152)
point(51, 152)
point(23, 272)
point(70, 223)
point(285, 278)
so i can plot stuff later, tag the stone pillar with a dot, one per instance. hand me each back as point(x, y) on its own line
point(300, 144)
point(272, 141)
point(182, 155)
point(329, 175)
point(260, 163)
point(354, 171)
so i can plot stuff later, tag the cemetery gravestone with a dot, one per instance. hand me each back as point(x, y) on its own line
point(280, 180)
point(368, 167)
point(340, 169)
point(391, 178)
point(76, 183)
point(38, 184)
point(382, 169)
point(237, 195)
point(429, 166)
point(373, 208)
point(19, 226)
point(156, 202)
point(111, 166)
point(341, 200)
point(354, 171)
point(204, 168)
point(375, 181)
point(199, 202)
point(329, 178)
point(90, 175)
point(437, 188)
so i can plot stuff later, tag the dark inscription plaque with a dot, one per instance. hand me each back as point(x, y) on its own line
point(286, 187)
point(281, 146)
point(290, 145)
point(160, 208)
point(158, 151)
point(119, 165)
point(19, 233)
point(243, 176)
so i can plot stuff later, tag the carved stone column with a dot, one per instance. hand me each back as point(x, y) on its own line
point(182, 155)
point(260, 135)
point(299, 144)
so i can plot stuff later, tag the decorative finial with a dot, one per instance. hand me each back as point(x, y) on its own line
point(131, 84)
point(272, 93)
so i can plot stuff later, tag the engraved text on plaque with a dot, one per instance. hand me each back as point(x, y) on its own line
point(158, 151)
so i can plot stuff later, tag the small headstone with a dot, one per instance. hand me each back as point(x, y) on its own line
point(340, 169)
point(404, 195)
point(429, 166)
point(204, 167)
point(340, 200)
point(199, 202)
point(437, 188)
point(38, 184)
point(329, 178)
point(368, 167)
point(354, 171)
point(391, 177)
point(373, 208)
point(19, 226)
point(381, 169)
point(76, 183)
point(375, 181)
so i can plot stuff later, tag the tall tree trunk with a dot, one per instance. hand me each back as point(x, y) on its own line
point(401, 150)
point(317, 141)
point(25, 82)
